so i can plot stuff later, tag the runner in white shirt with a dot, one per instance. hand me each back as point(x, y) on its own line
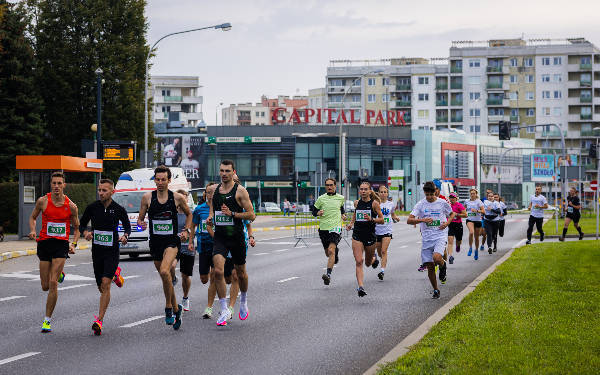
point(383, 232)
point(433, 215)
point(502, 220)
point(492, 211)
point(499, 220)
point(474, 208)
point(537, 204)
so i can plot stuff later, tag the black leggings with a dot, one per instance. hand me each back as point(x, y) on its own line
point(538, 221)
point(501, 228)
point(491, 230)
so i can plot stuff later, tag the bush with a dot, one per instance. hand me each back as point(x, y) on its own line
point(81, 194)
point(9, 201)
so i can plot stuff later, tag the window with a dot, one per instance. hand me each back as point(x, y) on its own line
point(545, 61)
point(557, 78)
point(262, 114)
point(531, 129)
point(557, 94)
point(474, 96)
point(528, 61)
point(475, 112)
point(530, 112)
point(546, 94)
point(335, 98)
point(514, 62)
point(356, 82)
point(545, 77)
point(371, 98)
point(371, 82)
point(337, 82)
point(355, 98)
point(423, 97)
point(529, 78)
point(423, 80)
point(545, 111)
point(514, 79)
point(385, 98)
point(166, 92)
point(272, 165)
point(557, 61)
point(474, 63)
point(513, 95)
point(423, 113)
point(475, 129)
point(514, 112)
point(557, 111)
point(385, 81)
point(530, 95)
point(474, 80)
point(257, 114)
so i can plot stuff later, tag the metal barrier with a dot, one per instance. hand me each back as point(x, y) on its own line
point(306, 226)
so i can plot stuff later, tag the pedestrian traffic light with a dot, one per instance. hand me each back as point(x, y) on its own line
point(409, 191)
point(593, 151)
point(343, 183)
point(504, 130)
point(298, 183)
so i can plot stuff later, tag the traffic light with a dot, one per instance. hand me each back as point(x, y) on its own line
point(298, 184)
point(409, 191)
point(504, 130)
point(593, 151)
point(418, 177)
point(343, 183)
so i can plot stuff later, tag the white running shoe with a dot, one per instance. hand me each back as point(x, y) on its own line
point(243, 310)
point(185, 302)
point(223, 316)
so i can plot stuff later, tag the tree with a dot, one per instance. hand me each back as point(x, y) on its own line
point(21, 127)
point(73, 39)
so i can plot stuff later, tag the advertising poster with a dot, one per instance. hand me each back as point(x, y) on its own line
point(510, 174)
point(542, 168)
point(191, 162)
point(171, 151)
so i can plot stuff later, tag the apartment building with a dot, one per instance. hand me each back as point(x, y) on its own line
point(266, 112)
point(177, 101)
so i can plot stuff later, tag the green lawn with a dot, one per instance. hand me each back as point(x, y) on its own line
point(538, 313)
point(587, 224)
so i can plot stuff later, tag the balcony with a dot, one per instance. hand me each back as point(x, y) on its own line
point(355, 104)
point(173, 98)
point(553, 133)
point(585, 66)
point(456, 118)
point(494, 85)
point(585, 116)
point(516, 119)
point(590, 133)
point(497, 69)
point(191, 116)
point(335, 105)
point(585, 99)
point(456, 102)
point(192, 99)
point(441, 103)
point(456, 69)
point(456, 86)
point(406, 118)
point(439, 119)
point(441, 86)
point(502, 102)
point(402, 103)
point(585, 83)
point(497, 118)
point(403, 87)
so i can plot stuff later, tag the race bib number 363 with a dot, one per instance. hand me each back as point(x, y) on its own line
point(103, 238)
point(222, 219)
point(56, 229)
point(162, 227)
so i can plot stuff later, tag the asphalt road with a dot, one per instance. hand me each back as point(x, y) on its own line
point(296, 324)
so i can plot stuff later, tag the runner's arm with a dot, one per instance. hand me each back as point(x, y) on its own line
point(246, 204)
point(182, 203)
point(463, 213)
point(85, 219)
point(251, 238)
point(412, 220)
point(143, 210)
point(377, 209)
point(74, 221)
point(39, 206)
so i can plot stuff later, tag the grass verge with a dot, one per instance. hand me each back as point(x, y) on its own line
point(538, 313)
point(587, 224)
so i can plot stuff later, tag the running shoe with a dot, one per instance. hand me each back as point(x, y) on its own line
point(581, 236)
point(61, 277)
point(451, 260)
point(481, 248)
point(375, 263)
point(185, 302)
point(169, 318)
point(380, 275)
point(541, 237)
point(97, 326)
point(361, 291)
point(476, 256)
point(528, 242)
point(490, 250)
point(561, 239)
point(46, 327)
point(470, 252)
point(207, 313)
point(421, 268)
point(223, 316)
point(175, 280)
point(442, 273)
point(436, 294)
point(243, 315)
point(458, 249)
point(495, 249)
point(177, 323)
point(118, 279)
point(337, 250)
point(326, 279)
point(230, 312)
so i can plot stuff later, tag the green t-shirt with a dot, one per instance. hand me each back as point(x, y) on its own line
point(332, 216)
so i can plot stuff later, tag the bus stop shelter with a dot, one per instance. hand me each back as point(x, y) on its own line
point(34, 180)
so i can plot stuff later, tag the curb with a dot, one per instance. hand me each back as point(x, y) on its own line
point(415, 336)
point(22, 253)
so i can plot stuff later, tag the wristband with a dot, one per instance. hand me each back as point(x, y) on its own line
point(74, 244)
point(251, 237)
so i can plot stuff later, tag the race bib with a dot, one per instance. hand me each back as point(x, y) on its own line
point(103, 238)
point(337, 230)
point(435, 223)
point(360, 214)
point(472, 214)
point(162, 227)
point(569, 209)
point(203, 228)
point(387, 220)
point(56, 229)
point(222, 219)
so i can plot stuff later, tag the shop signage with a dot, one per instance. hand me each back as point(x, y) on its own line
point(275, 184)
point(542, 168)
point(327, 115)
point(247, 139)
point(395, 142)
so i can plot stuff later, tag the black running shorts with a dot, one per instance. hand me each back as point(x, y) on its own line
point(328, 237)
point(105, 260)
point(380, 236)
point(205, 260)
point(236, 245)
point(158, 246)
point(52, 248)
point(367, 239)
point(476, 223)
point(186, 264)
point(574, 216)
point(456, 230)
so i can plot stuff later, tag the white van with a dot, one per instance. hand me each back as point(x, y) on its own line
point(129, 190)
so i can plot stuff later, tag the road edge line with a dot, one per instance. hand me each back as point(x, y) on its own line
point(415, 336)
point(23, 253)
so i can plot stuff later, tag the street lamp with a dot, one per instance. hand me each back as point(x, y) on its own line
point(216, 113)
point(223, 27)
point(99, 153)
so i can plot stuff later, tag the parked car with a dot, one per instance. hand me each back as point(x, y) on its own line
point(270, 207)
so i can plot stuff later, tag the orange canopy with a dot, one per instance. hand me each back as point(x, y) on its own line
point(59, 162)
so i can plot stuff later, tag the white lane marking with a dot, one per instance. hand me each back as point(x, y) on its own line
point(280, 250)
point(141, 321)
point(131, 277)
point(261, 254)
point(404, 246)
point(17, 357)
point(70, 265)
point(19, 275)
point(288, 279)
point(279, 243)
point(73, 286)
point(86, 263)
point(11, 298)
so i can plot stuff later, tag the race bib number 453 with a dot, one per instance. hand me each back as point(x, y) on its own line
point(56, 229)
point(222, 219)
point(162, 227)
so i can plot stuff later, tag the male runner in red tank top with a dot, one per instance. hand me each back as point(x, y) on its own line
point(53, 247)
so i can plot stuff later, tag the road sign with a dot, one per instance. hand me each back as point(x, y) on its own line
point(119, 151)
point(594, 185)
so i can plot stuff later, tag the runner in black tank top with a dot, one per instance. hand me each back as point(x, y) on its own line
point(163, 226)
point(227, 228)
point(367, 214)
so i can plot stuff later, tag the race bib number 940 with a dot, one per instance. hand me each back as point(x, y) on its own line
point(56, 229)
point(222, 219)
point(103, 238)
point(162, 227)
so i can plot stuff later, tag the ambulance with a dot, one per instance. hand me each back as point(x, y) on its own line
point(130, 188)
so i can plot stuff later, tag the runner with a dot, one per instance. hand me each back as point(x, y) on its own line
point(455, 229)
point(501, 218)
point(329, 207)
point(204, 246)
point(187, 255)
point(573, 214)
point(53, 247)
point(483, 230)
point(474, 211)
point(367, 213)
point(162, 206)
point(438, 194)
point(434, 215)
point(537, 205)
point(492, 211)
point(105, 215)
point(230, 206)
point(384, 231)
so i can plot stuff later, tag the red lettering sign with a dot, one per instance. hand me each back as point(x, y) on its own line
point(327, 115)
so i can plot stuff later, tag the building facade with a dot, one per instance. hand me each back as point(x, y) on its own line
point(177, 101)
point(267, 112)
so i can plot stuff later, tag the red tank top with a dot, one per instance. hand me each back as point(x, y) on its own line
point(56, 221)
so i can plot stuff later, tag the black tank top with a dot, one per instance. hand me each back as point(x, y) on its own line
point(163, 218)
point(575, 201)
point(360, 224)
point(226, 225)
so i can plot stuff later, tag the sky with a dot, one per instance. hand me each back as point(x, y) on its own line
point(284, 47)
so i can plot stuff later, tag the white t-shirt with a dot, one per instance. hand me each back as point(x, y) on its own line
point(539, 200)
point(476, 204)
point(439, 212)
point(488, 206)
point(502, 206)
point(386, 209)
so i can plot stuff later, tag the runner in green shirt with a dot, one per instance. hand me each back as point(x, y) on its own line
point(329, 208)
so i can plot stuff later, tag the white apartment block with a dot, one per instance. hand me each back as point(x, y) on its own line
point(177, 101)
point(245, 114)
point(317, 98)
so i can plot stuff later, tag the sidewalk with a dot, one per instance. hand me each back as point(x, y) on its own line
point(11, 247)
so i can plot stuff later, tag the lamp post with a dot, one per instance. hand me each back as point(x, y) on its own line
point(98, 132)
point(223, 27)
point(216, 114)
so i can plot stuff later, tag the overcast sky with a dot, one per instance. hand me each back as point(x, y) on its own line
point(283, 47)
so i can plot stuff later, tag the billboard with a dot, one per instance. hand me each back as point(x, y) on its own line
point(542, 168)
point(509, 174)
